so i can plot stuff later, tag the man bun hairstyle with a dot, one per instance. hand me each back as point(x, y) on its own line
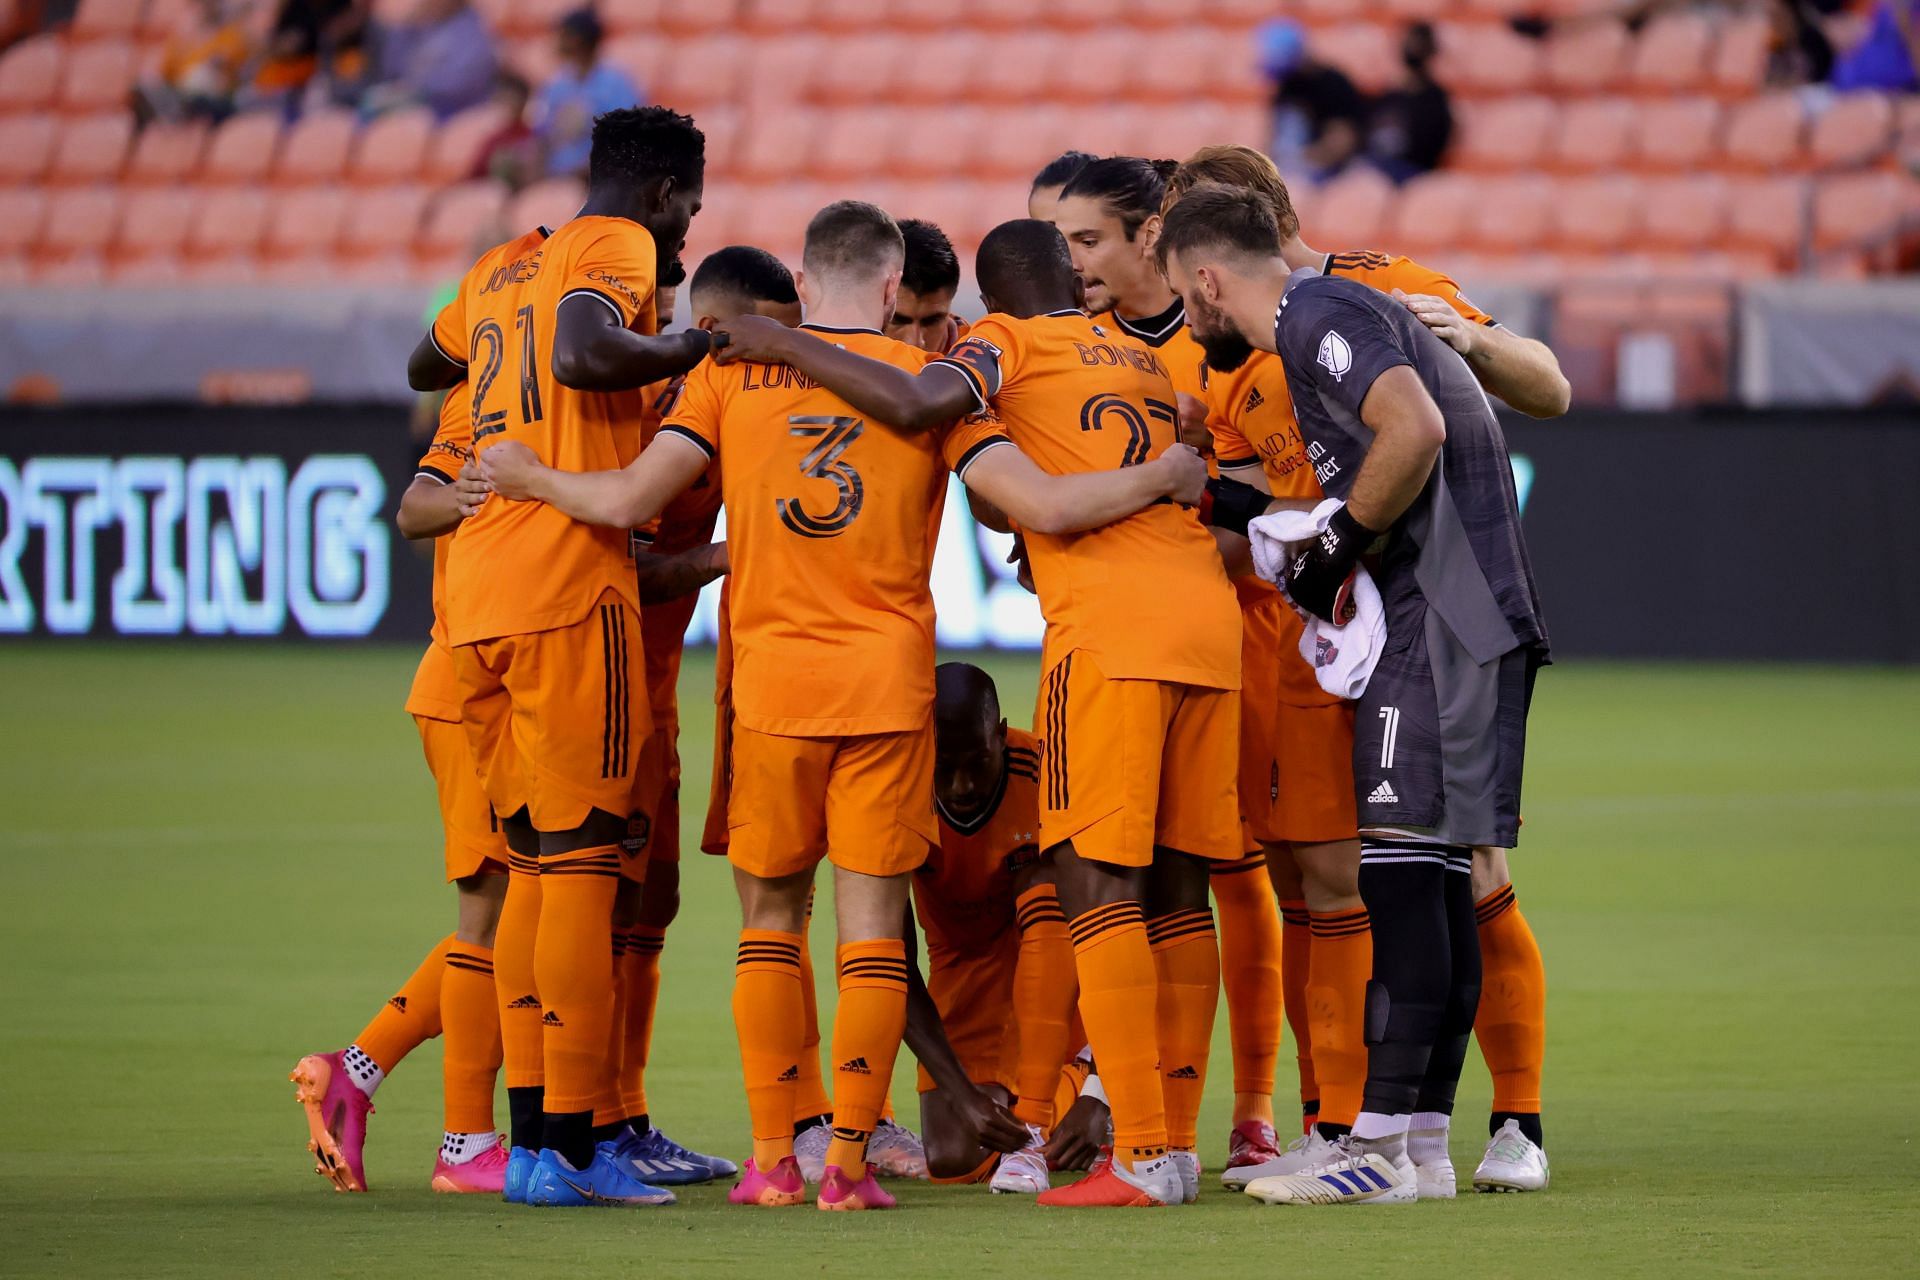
point(1129, 188)
point(1059, 171)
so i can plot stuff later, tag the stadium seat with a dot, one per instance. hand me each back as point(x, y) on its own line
point(1512, 214)
point(1685, 213)
point(1183, 61)
point(640, 55)
point(1597, 214)
point(1079, 13)
point(116, 19)
point(861, 68)
point(701, 71)
point(26, 147)
point(1594, 134)
point(456, 146)
point(1022, 70)
point(1856, 129)
point(1764, 134)
point(316, 148)
point(97, 76)
point(1769, 215)
point(1672, 53)
point(531, 18)
point(73, 271)
point(1176, 132)
point(30, 73)
point(707, 16)
point(22, 210)
point(783, 69)
point(242, 149)
point(1587, 58)
point(1432, 213)
point(393, 148)
point(1677, 133)
point(92, 148)
point(777, 16)
point(778, 141)
point(154, 224)
point(842, 17)
point(1350, 212)
point(1502, 133)
point(229, 224)
point(1091, 74)
point(1741, 55)
point(1858, 211)
point(721, 125)
point(1368, 53)
point(627, 17)
point(165, 153)
point(855, 140)
point(383, 222)
point(465, 220)
point(1417, 10)
point(305, 223)
point(1161, 13)
point(547, 203)
point(1479, 58)
point(945, 66)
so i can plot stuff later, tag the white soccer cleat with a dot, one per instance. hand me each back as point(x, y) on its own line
point(1023, 1172)
point(1514, 1162)
point(895, 1151)
point(1436, 1180)
point(1306, 1150)
point(1187, 1165)
point(1351, 1175)
point(810, 1151)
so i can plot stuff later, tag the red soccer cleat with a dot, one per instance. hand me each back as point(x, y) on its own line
point(1252, 1142)
point(1149, 1184)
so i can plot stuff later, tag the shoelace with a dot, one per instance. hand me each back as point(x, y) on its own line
point(1299, 1145)
point(1508, 1147)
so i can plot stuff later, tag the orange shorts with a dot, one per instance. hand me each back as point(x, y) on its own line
point(1315, 753)
point(1263, 636)
point(656, 795)
point(974, 992)
point(1129, 765)
point(558, 719)
point(475, 845)
point(713, 837)
point(864, 801)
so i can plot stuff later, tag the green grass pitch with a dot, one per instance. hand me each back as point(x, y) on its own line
point(217, 859)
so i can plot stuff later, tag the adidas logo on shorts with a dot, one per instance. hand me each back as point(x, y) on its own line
point(1383, 794)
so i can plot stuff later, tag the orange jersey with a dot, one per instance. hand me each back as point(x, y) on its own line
point(1168, 334)
point(964, 893)
point(830, 531)
point(1387, 272)
point(687, 522)
point(519, 567)
point(436, 693)
point(1146, 594)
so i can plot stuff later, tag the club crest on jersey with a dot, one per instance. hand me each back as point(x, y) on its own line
point(1335, 355)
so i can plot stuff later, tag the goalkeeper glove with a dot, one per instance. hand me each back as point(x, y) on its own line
point(1320, 579)
point(1232, 505)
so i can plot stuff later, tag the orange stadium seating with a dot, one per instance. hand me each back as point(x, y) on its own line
point(1603, 146)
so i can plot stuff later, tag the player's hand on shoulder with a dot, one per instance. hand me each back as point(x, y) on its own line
point(1186, 474)
point(749, 337)
point(510, 468)
point(470, 489)
point(1438, 315)
point(1077, 1139)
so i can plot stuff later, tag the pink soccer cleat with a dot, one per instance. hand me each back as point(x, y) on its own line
point(1252, 1142)
point(485, 1174)
point(777, 1188)
point(839, 1192)
point(336, 1119)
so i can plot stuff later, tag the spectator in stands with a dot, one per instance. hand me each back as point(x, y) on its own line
point(1319, 118)
point(444, 59)
point(1413, 122)
point(513, 153)
point(319, 43)
point(1887, 58)
point(199, 70)
point(1802, 53)
point(580, 90)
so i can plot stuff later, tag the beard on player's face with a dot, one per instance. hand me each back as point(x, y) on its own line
point(1226, 349)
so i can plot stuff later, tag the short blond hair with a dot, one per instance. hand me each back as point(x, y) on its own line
point(1236, 166)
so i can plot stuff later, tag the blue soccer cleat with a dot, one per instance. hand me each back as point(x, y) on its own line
point(607, 1181)
point(520, 1165)
point(660, 1159)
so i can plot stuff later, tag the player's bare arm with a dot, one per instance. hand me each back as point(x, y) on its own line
point(1521, 371)
point(1408, 432)
point(911, 402)
point(624, 499)
point(593, 351)
point(994, 1126)
point(1045, 503)
point(428, 368)
point(669, 577)
point(430, 508)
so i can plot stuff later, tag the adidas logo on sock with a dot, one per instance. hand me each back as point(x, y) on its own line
point(1183, 1073)
point(1383, 794)
point(399, 1004)
point(1254, 401)
point(858, 1066)
point(552, 1020)
point(791, 1073)
point(525, 1002)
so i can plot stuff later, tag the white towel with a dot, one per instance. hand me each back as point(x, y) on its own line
point(1342, 658)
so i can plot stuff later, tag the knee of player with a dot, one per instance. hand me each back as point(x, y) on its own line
point(951, 1156)
point(659, 906)
point(480, 899)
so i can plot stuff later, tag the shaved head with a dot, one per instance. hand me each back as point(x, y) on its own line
point(970, 740)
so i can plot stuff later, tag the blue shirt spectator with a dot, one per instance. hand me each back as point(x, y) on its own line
point(1886, 58)
point(443, 59)
point(581, 89)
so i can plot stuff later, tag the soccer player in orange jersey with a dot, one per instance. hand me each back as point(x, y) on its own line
point(555, 335)
point(831, 526)
point(452, 991)
point(1257, 440)
point(1139, 713)
point(923, 313)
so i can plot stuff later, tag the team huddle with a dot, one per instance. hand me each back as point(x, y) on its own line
point(1291, 638)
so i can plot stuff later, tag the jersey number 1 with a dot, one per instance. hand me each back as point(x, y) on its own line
point(489, 348)
point(824, 462)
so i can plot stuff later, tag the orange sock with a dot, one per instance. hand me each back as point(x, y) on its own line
point(573, 965)
point(1512, 1023)
point(522, 1060)
point(640, 972)
point(809, 1091)
point(470, 1059)
point(1250, 974)
point(1186, 959)
point(1119, 990)
point(607, 1111)
point(1296, 944)
point(766, 1017)
point(411, 1016)
point(1342, 963)
point(867, 1027)
point(1043, 996)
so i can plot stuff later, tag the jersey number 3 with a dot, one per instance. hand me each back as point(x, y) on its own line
point(824, 462)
